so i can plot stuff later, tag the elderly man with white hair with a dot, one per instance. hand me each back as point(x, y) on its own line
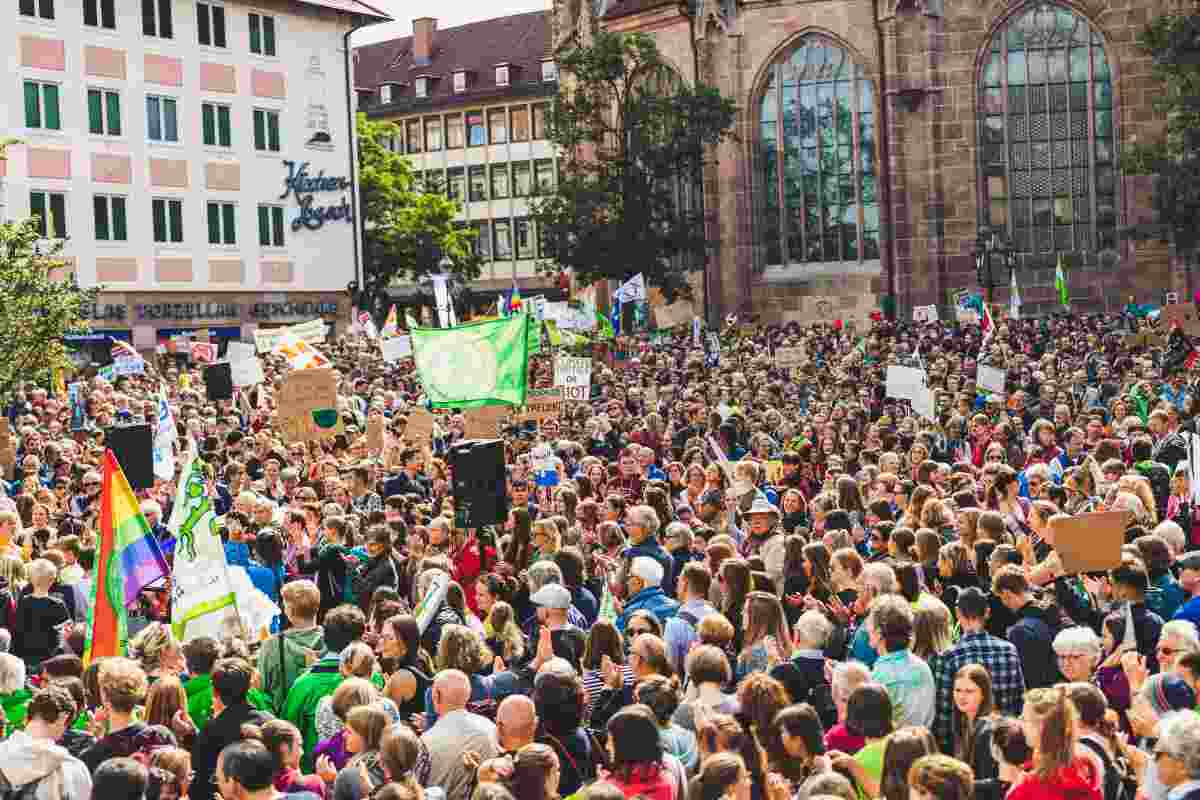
point(803, 675)
point(645, 592)
point(1177, 756)
point(877, 580)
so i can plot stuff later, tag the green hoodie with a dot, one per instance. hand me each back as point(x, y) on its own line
point(321, 679)
point(16, 708)
point(200, 699)
point(301, 649)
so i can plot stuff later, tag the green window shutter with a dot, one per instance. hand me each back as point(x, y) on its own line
point(273, 132)
point(170, 121)
point(120, 229)
point(268, 24)
point(214, 223)
point(158, 210)
point(260, 130)
point(175, 207)
point(33, 105)
point(208, 124)
point(277, 225)
point(50, 101)
point(224, 128)
point(95, 111)
point(37, 208)
point(255, 34)
point(112, 101)
point(58, 215)
point(264, 226)
point(227, 222)
point(153, 119)
point(100, 214)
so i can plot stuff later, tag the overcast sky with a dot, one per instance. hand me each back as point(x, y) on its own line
point(449, 14)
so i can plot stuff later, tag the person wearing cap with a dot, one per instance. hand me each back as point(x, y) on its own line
point(765, 538)
point(552, 603)
point(645, 592)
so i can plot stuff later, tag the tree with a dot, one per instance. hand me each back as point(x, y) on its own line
point(631, 134)
point(36, 311)
point(1174, 160)
point(406, 231)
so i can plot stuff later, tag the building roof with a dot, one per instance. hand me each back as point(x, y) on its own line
point(522, 41)
point(349, 6)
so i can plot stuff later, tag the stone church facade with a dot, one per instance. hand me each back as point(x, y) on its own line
point(876, 137)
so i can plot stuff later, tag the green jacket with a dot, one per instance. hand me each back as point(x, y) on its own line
point(320, 680)
point(258, 699)
point(301, 649)
point(16, 709)
point(200, 698)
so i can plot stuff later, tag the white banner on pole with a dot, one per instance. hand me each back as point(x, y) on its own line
point(990, 379)
point(396, 348)
point(903, 383)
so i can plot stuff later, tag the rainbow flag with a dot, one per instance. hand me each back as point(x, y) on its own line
point(128, 561)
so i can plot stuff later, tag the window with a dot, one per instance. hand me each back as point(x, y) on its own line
point(413, 134)
point(270, 226)
point(109, 214)
point(498, 125)
point(100, 13)
point(539, 121)
point(454, 183)
point(37, 8)
point(421, 87)
point(161, 120)
point(210, 24)
point(104, 112)
point(1047, 140)
point(544, 175)
point(503, 242)
point(460, 82)
point(51, 210)
point(266, 130)
point(215, 122)
point(476, 135)
point(41, 106)
point(221, 223)
point(549, 71)
point(156, 19)
point(262, 34)
point(499, 181)
point(433, 134)
point(478, 183)
point(435, 181)
point(520, 123)
point(385, 93)
point(482, 245)
point(525, 242)
point(502, 75)
point(168, 220)
point(817, 138)
point(522, 178)
point(454, 131)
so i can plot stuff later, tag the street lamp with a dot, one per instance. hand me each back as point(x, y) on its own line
point(991, 243)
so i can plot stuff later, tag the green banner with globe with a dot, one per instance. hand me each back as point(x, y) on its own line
point(477, 364)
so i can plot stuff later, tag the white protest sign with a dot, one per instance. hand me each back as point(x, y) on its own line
point(904, 383)
point(129, 365)
point(238, 351)
point(574, 375)
point(990, 379)
point(695, 331)
point(537, 306)
point(568, 318)
point(927, 313)
point(923, 403)
point(246, 372)
point(396, 347)
point(312, 332)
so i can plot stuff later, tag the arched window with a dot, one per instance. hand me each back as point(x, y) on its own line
point(817, 157)
point(1047, 135)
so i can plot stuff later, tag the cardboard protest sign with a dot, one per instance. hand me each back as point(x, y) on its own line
point(484, 422)
point(1182, 313)
point(375, 429)
point(543, 404)
point(903, 383)
point(307, 403)
point(990, 379)
point(680, 312)
point(923, 403)
point(1090, 542)
point(774, 472)
point(788, 357)
point(420, 426)
point(246, 372)
point(396, 348)
point(927, 313)
point(239, 351)
point(574, 376)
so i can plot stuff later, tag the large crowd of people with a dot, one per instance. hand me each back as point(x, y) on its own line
point(718, 579)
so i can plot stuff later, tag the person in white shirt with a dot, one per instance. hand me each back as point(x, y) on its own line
point(30, 756)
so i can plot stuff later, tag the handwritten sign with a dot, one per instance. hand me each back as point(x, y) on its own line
point(680, 312)
point(788, 357)
point(574, 376)
point(484, 422)
point(990, 379)
point(543, 404)
point(307, 404)
point(312, 332)
point(396, 348)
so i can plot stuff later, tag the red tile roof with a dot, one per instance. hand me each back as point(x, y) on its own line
point(349, 6)
point(520, 40)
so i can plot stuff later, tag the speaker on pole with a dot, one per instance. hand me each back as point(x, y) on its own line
point(479, 485)
point(133, 446)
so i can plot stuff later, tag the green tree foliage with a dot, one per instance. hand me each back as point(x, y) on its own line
point(406, 231)
point(36, 312)
point(1174, 42)
point(631, 133)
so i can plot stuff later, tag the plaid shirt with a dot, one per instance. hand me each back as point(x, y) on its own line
point(999, 657)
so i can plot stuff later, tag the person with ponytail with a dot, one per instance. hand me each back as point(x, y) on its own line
point(1099, 735)
point(286, 745)
point(722, 776)
point(1052, 729)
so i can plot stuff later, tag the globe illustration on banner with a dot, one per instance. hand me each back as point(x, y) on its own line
point(466, 372)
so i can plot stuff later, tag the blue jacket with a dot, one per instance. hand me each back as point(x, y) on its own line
point(1169, 598)
point(654, 550)
point(652, 600)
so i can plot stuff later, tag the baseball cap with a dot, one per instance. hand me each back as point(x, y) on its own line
point(552, 595)
point(646, 568)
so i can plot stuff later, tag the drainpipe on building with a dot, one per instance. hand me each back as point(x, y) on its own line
point(885, 187)
point(352, 129)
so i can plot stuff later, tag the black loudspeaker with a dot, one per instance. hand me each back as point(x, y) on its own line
point(218, 381)
point(480, 488)
point(133, 445)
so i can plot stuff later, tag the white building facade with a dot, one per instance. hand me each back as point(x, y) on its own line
point(193, 157)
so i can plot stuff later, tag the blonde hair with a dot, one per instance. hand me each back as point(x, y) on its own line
point(504, 628)
point(369, 722)
point(149, 645)
point(122, 683)
point(12, 571)
point(932, 633)
point(357, 659)
point(1051, 710)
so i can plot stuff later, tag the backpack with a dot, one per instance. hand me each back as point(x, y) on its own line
point(1119, 784)
point(25, 791)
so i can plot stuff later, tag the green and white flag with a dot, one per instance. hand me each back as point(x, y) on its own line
point(477, 364)
point(1060, 284)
